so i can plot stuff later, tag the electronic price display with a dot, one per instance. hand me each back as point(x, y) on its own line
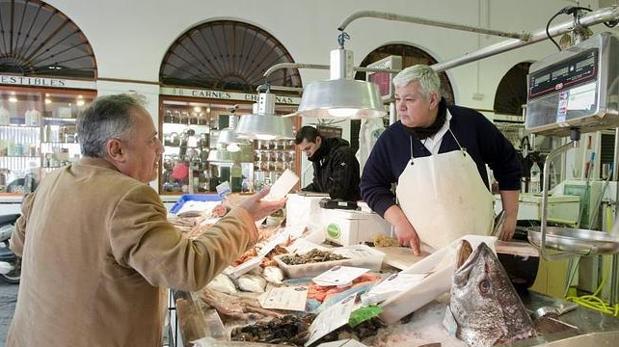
point(571, 72)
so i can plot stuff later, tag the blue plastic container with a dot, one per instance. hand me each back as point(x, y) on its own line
point(193, 197)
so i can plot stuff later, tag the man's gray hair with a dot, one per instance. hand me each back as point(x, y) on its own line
point(428, 79)
point(106, 118)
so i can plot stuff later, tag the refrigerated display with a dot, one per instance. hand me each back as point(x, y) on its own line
point(37, 134)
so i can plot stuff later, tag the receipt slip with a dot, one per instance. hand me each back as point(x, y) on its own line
point(282, 186)
point(331, 318)
point(284, 298)
point(339, 276)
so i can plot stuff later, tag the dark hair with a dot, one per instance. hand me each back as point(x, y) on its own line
point(107, 117)
point(308, 133)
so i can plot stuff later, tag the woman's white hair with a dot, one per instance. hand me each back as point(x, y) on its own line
point(428, 79)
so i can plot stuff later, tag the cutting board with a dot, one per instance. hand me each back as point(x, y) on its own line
point(400, 257)
point(522, 249)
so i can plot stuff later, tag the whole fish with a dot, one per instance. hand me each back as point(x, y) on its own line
point(484, 304)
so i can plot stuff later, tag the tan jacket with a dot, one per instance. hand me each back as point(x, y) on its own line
point(97, 248)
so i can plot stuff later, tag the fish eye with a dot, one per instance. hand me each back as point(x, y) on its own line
point(484, 286)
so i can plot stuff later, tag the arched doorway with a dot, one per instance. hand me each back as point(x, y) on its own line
point(411, 55)
point(47, 73)
point(36, 39)
point(226, 55)
point(511, 93)
point(209, 74)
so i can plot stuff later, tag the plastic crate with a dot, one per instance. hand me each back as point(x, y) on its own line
point(193, 197)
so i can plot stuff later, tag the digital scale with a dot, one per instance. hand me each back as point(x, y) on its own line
point(575, 88)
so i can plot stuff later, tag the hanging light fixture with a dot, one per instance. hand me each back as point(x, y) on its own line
point(263, 124)
point(229, 136)
point(341, 96)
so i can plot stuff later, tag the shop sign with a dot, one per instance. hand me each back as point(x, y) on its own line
point(45, 82)
point(218, 94)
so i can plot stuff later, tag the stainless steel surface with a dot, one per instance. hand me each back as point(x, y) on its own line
point(595, 17)
point(600, 91)
point(592, 326)
point(423, 21)
point(265, 127)
point(264, 124)
point(601, 339)
point(546, 187)
point(575, 241)
point(554, 310)
point(614, 274)
point(341, 98)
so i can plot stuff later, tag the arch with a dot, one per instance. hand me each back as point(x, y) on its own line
point(511, 92)
point(37, 39)
point(226, 55)
point(411, 55)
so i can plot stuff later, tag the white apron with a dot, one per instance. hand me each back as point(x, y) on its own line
point(444, 197)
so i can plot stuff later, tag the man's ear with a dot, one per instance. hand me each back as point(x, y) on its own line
point(115, 150)
point(434, 99)
point(318, 140)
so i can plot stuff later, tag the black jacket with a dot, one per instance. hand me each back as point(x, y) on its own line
point(336, 170)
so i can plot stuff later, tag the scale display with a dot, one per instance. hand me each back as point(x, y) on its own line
point(576, 88)
point(569, 73)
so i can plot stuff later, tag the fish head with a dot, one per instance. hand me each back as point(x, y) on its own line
point(484, 302)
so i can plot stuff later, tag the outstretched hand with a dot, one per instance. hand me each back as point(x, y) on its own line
point(259, 208)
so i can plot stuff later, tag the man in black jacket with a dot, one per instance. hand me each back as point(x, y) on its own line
point(336, 170)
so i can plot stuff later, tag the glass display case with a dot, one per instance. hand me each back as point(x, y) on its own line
point(37, 134)
point(194, 161)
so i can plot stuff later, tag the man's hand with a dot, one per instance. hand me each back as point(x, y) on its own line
point(260, 209)
point(509, 228)
point(407, 236)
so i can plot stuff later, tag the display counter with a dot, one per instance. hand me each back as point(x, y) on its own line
point(425, 326)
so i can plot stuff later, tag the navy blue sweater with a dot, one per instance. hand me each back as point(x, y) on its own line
point(481, 139)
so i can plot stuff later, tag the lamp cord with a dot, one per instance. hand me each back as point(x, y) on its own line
point(573, 10)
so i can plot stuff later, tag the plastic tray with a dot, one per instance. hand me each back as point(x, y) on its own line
point(193, 197)
point(440, 267)
point(357, 256)
point(309, 269)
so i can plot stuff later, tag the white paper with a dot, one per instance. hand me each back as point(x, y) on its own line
point(198, 206)
point(282, 186)
point(343, 343)
point(285, 298)
point(280, 237)
point(391, 286)
point(237, 271)
point(581, 98)
point(331, 319)
point(339, 276)
point(358, 251)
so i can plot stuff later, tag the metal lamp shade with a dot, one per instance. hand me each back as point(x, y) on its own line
point(229, 136)
point(341, 98)
point(265, 127)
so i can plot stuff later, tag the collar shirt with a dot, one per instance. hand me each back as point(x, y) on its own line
point(433, 143)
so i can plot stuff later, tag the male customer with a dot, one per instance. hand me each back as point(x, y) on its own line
point(96, 245)
point(336, 169)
